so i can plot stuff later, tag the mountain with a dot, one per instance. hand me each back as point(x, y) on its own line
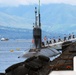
point(60, 18)
point(55, 19)
point(14, 21)
point(15, 33)
point(18, 33)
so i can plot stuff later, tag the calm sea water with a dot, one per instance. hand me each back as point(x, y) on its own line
point(9, 52)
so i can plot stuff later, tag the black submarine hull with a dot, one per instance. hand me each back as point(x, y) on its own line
point(31, 66)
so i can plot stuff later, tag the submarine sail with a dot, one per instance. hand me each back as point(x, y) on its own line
point(37, 31)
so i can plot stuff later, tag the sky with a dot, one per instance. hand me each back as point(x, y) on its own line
point(16, 3)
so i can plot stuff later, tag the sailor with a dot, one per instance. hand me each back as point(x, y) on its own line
point(45, 40)
point(73, 36)
point(64, 37)
point(69, 36)
point(54, 40)
point(50, 41)
point(42, 43)
point(59, 39)
point(33, 45)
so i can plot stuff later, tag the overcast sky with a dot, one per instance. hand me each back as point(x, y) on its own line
point(16, 3)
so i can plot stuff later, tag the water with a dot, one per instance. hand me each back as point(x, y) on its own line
point(9, 52)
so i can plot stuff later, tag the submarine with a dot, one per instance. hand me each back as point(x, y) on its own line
point(39, 48)
point(48, 50)
point(38, 61)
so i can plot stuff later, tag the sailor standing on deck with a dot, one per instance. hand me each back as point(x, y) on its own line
point(59, 40)
point(65, 37)
point(33, 45)
point(50, 41)
point(54, 40)
point(42, 43)
point(70, 36)
point(45, 40)
point(73, 36)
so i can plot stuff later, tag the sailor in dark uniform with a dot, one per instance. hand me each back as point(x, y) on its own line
point(73, 36)
point(64, 37)
point(47, 42)
point(42, 43)
point(59, 40)
point(69, 36)
point(54, 40)
point(50, 42)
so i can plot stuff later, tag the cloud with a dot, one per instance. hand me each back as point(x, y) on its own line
point(28, 2)
point(72, 2)
point(17, 2)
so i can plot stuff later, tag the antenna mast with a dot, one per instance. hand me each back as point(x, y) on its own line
point(35, 17)
point(37, 31)
point(39, 15)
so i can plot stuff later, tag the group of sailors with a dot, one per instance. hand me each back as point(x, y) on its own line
point(71, 36)
point(65, 38)
point(47, 41)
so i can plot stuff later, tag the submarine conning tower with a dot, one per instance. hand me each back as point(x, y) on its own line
point(37, 31)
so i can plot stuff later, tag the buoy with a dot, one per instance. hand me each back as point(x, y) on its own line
point(11, 50)
point(17, 49)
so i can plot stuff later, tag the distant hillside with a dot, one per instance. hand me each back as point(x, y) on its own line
point(59, 18)
point(18, 33)
point(15, 33)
